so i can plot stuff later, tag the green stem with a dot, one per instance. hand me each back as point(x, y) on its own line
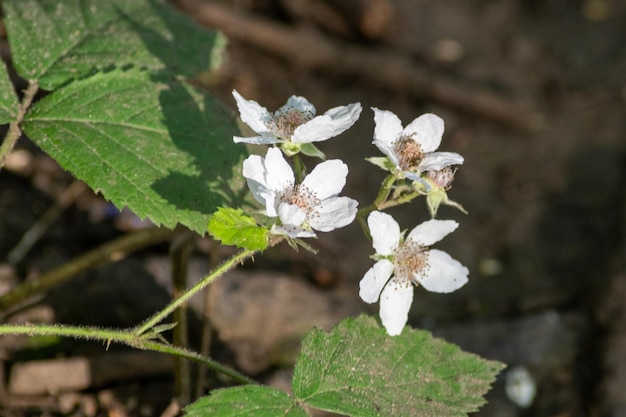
point(15, 132)
point(381, 198)
point(180, 249)
point(299, 168)
point(124, 337)
point(398, 201)
point(219, 271)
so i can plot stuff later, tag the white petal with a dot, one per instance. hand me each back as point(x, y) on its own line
point(388, 127)
point(438, 160)
point(415, 176)
point(254, 168)
point(253, 114)
point(428, 130)
point(327, 179)
point(299, 103)
point(395, 303)
point(328, 125)
point(385, 232)
point(291, 214)
point(388, 149)
point(279, 174)
point(316, 130)
point(335, 121)
point(257, 140)
point(254, 171)
point(333, 213)
point(444, 274)
point(270, 201)
point(344, 116)
point(374, 280)
point(432, 231)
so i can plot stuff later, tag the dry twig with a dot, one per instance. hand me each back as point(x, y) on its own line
point(391, 70)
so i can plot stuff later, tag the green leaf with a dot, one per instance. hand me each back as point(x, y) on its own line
point(9, 106)
point(55, 41)
point(163, 149)
point(233, 227)
point(249, 401)
point(358, 370)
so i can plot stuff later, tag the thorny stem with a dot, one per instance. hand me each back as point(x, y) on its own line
point(216, 273)
point(125, 337)
point(15, 132)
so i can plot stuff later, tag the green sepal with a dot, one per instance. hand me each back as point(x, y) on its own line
point(382, 162)
point(438, 196)
point(311, 150)
point(290, 148)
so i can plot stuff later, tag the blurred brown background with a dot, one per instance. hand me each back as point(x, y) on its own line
point(533, 94)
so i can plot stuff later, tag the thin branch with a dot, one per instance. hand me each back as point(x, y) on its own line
point(92, 259)
point(32, 235)
point(180, 249)
point(216, 273)
point(15, 132)
point(388, 69)
point(124, 337)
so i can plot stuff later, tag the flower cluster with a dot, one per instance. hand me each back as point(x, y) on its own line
point(300, 209)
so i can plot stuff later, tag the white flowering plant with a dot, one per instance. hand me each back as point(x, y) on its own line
point(127, 121)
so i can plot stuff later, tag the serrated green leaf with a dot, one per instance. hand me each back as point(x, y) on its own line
point(232, 227)
point(163, 150)
point(55, 41)
point(358, 370)
point(9, 105)
point(249, 401)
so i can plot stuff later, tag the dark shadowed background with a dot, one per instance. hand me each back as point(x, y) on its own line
point(533, 94)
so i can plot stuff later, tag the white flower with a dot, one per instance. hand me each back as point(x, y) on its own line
point(402, 264)
point(312, 205)
point(412, 149)
point(294, 122)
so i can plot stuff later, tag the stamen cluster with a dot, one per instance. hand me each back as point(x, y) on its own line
point(285, 121)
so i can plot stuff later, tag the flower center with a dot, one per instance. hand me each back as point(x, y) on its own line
point(409, 153)
point(442, 178)
point(302, 197)
point(410, 259)
point(285, 121)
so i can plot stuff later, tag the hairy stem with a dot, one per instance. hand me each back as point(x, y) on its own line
point(125, 337)
point(218, 272)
